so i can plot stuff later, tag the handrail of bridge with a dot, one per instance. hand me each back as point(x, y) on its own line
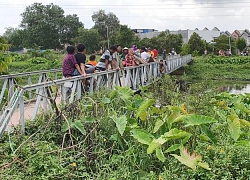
point(10, 80)
point(71, 88)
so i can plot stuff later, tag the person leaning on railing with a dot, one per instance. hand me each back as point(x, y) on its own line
point(129, 58)
point(70, 66)
point(106, 59)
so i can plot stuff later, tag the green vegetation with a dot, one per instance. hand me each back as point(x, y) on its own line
point(210, 68)
point(173, 129)
point(163, 133)
point(5, 59)
point(34, 61)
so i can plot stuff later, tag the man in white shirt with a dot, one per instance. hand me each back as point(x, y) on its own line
point(144, 55)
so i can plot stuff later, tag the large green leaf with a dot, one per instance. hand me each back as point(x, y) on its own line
point(120, 122)
point(240, 106)
point(176, 112)
point(176, 134)
point(65, 126)
point(245, 122)
point(106, 100)
point(209, 133)
point(173, 134)
point(78, 124)
point(196, 120)
point(158, 124)
point(142, 110)
point(125, 93)
point(160, 155)
point(234, 127)
point(152, 146)
point(173, 148)
point(142, 136)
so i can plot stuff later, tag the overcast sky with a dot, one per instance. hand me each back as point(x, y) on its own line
point(154, 14)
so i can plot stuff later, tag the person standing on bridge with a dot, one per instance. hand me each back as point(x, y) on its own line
point(70, 66)
point(155, 53)
point(164, 54)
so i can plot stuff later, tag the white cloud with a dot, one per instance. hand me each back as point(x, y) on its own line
point(155, 14)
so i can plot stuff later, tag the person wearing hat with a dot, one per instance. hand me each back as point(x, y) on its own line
point(124, 53)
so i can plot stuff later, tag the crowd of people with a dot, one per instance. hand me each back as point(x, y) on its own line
point(75, 63)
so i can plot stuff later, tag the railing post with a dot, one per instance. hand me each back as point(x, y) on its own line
point(91, 87)
point(29, 83)
point(73, 92)
point(79, 89)
point(38, 101)
point(22, 120)
point(11, 86)
point(3, 90)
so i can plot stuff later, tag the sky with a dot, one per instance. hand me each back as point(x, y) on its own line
point(145, 14)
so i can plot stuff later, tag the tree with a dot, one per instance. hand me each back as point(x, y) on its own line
point(196, 44)
point(164, 41)
point(14, 37)
point(108, 25)
point(47, 27)
point(145, 42)
point(89, 37)
point(222, 43)
point(169, 41)
point(185, 49)
point(241, 44)
point(69, 28)
point(126, 37)
point(5, 59)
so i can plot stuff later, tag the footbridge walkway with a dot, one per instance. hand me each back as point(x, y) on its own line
point(25, 102)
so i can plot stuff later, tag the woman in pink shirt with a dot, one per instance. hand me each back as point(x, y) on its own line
point(129, 58)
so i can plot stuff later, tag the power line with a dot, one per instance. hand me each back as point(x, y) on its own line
point(129, 5)
point(151, 8)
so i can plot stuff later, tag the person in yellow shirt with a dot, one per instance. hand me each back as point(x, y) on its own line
point(151, 53)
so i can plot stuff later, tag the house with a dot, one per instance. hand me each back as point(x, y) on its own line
point(226, 33)
point(242, 34)
point(205, 34)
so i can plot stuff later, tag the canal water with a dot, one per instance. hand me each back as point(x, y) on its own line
point(236, 89)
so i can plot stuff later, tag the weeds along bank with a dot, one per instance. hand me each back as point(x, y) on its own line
point(220, 68)
point(151, 135)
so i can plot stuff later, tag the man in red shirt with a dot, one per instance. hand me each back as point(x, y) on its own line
point(155, 53)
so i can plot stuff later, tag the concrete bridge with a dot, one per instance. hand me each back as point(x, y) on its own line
point(25, 102)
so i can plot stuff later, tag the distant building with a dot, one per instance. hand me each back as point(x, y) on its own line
point(205, 34)
point(242, 34)
point(146, 33)
point(226, 33)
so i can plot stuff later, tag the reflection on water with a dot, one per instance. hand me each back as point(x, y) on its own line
point(236, 89)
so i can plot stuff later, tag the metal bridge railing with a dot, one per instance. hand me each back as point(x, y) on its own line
point(69, 89)
point(9, 81)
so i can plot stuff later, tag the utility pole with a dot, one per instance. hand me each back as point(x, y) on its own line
point(229, 41)
point(107, 34)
